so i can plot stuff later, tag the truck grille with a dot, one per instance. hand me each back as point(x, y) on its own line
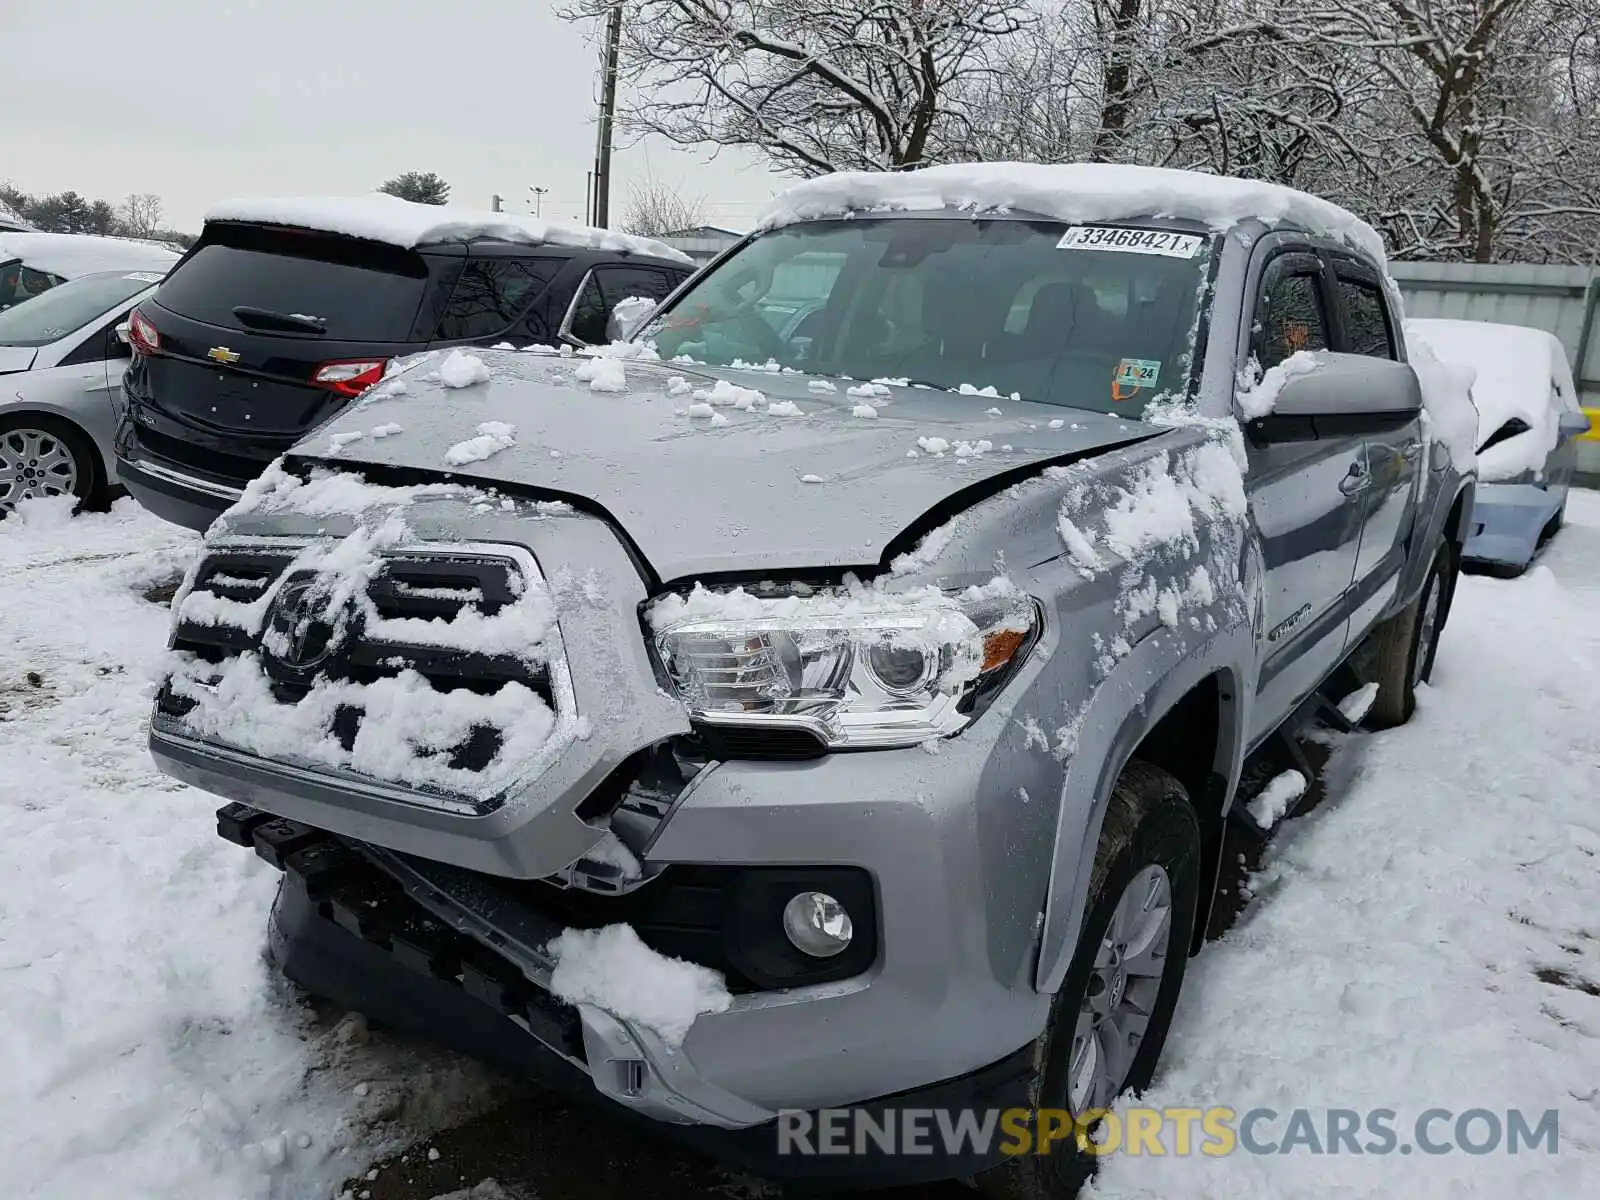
point(425, 586)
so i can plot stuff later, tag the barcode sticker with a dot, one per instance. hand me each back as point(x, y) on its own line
point(1131, 241)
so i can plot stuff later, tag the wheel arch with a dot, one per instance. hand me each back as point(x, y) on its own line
point(1191, 722)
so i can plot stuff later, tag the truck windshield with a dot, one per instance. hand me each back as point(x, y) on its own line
point(1092, 317)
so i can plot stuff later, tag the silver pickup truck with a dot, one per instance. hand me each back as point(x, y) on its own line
point(757, 718)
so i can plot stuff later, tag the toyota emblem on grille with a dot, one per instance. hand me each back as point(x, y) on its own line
point(305, 628)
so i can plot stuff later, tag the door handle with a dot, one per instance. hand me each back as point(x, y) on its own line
point(1410, 450)
point(1356, 480)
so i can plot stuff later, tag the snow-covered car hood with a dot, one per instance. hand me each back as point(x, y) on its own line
point(700, 484)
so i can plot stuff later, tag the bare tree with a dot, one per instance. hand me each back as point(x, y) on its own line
point(141, 213)
point(816, 85)
point(654, 209)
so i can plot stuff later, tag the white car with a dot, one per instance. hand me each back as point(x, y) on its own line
point(62, 355)
point(1528, 420)
point(32, 263)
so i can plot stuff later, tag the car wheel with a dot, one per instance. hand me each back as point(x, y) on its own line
point(1109, 1021)
point(1404, 648)
point(45, 456)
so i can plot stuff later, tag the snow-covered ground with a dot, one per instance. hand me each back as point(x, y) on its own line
point(1391, 958)
point(148, 1052)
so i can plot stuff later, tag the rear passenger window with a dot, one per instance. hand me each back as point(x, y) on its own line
point(491, 293)
point(1292, 318)
point(604, 287)
point(1365, 323)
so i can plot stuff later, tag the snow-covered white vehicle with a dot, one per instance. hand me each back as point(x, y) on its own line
point(726, 725)
point(62, 356)
point(31, 263)
point(1529, 420)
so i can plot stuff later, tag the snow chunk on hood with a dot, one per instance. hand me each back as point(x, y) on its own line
point(612, 969)
point(380, 217)
point(603, 374)
point(1073, 192)
point(459, 370)
point(493, 437)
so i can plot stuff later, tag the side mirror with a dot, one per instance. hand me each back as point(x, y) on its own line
point(1573, 425)
point(627, 316)
point(1340, 390)
point(121, 334)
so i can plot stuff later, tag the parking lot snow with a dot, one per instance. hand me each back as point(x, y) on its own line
point(1428, 939)
point(1431, 940)
point(149, 1050)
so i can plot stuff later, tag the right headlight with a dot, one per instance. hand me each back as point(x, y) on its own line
point(856, 667)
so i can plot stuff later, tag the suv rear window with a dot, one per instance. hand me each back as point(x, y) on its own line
point(360, 291)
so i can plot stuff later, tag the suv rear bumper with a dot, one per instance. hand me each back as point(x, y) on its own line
point(325, 958)
point(173, 493)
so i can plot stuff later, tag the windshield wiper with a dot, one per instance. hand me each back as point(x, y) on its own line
point(266, 318)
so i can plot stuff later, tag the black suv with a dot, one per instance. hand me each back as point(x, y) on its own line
point(262, 332)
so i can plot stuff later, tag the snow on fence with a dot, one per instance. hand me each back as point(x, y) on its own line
point(1562, 300)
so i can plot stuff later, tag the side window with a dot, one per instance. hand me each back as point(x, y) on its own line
point(1366, 321)
point(19, 283)
point(601, 291)
point(1291, 317)
point(491, 293)
point(589, 313)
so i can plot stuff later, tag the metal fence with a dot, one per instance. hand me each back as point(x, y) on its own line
point(1563, 300)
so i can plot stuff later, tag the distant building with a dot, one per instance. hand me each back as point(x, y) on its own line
point(702, 243)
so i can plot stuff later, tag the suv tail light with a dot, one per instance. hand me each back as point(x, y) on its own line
point(349, 378)
point(142, 335)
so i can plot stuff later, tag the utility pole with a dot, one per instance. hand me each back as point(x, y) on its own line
point(608, 114)
point(538, 200)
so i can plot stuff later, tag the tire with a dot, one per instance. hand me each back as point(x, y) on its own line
point(41, 455)
point(1150, 825)
point(1404, 647)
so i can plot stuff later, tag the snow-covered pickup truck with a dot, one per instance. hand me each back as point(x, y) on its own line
point(740, 722)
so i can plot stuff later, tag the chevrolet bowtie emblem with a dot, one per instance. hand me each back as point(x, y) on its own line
point(222, 354)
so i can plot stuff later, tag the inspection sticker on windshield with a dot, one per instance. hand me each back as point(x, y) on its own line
point(1137, 372)
point(144, 276)
point(1131, 241)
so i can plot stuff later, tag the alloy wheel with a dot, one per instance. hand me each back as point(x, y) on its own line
point(35, 463)
point(1121, 997)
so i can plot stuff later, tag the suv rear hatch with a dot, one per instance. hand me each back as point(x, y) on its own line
point(254, 313)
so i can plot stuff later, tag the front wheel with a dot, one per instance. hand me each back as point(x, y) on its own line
point(1109, 1021)
point(42, 456)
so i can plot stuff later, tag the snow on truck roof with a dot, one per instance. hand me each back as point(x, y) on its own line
point(383, 218)
point(1073, 192)
point(70, 255)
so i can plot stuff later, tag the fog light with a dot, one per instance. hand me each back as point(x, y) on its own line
point(817, 924)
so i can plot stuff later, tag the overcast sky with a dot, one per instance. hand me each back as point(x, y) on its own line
point(198, 100)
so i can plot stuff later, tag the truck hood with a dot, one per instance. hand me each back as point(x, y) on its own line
point(824, 490)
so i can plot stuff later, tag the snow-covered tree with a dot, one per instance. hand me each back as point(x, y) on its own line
point(420, 187)
point(815, 85)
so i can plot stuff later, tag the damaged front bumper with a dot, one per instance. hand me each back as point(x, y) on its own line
point(945, 989)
